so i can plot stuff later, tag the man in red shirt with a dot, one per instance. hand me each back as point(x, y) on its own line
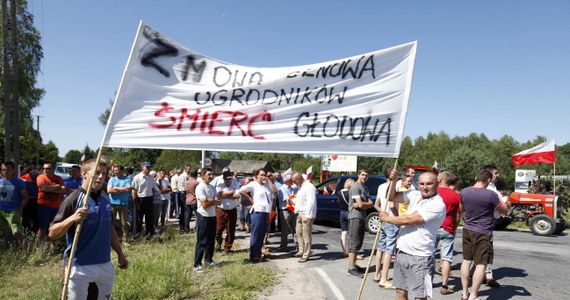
point(446, 234)
point(50, 191)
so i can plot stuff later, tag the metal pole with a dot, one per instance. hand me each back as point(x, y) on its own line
point(78, 229)
point(363, 282)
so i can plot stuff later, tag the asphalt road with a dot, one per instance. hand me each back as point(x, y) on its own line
point(527, 266)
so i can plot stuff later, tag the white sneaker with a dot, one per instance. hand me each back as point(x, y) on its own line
point(199, 269)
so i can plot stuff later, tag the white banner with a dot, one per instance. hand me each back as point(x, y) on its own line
point(174, 98)
point(339, 163)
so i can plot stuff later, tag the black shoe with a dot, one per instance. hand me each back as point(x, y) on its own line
point(360, 269)
point(354, 272)
point(493, 283)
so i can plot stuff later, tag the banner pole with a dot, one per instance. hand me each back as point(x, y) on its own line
point(78, 229)
point(363, 282)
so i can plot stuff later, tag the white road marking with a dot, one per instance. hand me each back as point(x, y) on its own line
point(331, 284)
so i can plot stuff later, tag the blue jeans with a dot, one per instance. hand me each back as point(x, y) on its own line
point(259, 224)
point(173, 204)
point(205, 239)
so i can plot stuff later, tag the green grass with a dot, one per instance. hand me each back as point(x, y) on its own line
point(158, 269)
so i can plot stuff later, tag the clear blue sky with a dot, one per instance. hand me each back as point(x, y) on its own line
point(492, 67)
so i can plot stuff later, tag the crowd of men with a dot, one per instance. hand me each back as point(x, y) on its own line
point(430, 218)
point(416, 218)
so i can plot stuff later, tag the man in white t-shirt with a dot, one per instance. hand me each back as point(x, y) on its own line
point(226, 213)
point(205, 221)
point(414, 264)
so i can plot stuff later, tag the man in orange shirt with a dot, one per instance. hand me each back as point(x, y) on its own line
point(50, 190)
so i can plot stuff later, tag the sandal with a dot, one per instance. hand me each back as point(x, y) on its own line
point(376, 279)
point(387, 286)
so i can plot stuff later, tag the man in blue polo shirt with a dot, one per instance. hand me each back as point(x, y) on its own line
point(119, 189)
point(13, 199)
point(92, 261)
point(74, 180)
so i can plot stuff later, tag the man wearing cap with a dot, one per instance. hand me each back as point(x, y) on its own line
point(144, 188)
point(287, 218)
point(226, 212)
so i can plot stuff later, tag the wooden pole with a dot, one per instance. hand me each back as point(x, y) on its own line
point(78, 230)
point(363, 282)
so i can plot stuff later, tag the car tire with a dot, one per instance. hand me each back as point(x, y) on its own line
point(372, 222)
point(542, 225)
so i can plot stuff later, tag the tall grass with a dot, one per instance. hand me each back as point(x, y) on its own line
point(161, 268)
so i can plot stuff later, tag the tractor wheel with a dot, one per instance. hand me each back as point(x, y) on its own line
point(560, 227)
point(372, 222)
point(542, 225)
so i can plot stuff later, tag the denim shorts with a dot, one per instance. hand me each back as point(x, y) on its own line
point(388, 237)
point(446, 240)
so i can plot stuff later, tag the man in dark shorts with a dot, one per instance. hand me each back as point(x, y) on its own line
point(358, 203)
point(478, 205)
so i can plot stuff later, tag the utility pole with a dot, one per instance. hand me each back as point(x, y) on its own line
point(38, 140)
point(10, 83)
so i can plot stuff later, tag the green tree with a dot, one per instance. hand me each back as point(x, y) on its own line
point(302, 164)
point(465, 162)
point(132, 157)
point(171, 159)
point(49, 153)
point(30, 54)
point(104, 116)
point(73, 157)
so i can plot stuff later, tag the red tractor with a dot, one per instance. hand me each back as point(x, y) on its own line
point(543, 213)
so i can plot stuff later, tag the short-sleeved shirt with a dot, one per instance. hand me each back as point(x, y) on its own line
point(182, 178)
point(123, 198)
point(94, 244)
point(49, 199)
point(228, 203)
point(285, 192)
point(205, 191)
point(32, 188)
point(174, 182)
point(191, 185)
point(382, 194)
point(165, 184)
point(357, 191)
point(419, 239)
point(144, 185)
point(71, 183)
point(478, 206)
point(451, 200)
point(10, 193)
point(261, 194)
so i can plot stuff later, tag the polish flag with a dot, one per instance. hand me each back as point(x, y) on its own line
point(309, 172)
point(83, 158)
point(543, 153)
point(434, 168)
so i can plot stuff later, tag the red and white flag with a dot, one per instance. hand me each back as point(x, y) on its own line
point(309, 172)
point(543, 153)
point(83, 158)
point(434, 168)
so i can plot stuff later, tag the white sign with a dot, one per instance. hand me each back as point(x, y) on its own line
point(174, 98)
point(339, 163)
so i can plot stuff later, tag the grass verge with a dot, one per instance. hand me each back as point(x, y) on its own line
point(158, 269)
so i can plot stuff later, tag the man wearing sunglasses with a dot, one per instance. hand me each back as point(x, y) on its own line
point(50, 190)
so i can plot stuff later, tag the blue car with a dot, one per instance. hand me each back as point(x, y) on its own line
point(328, 208)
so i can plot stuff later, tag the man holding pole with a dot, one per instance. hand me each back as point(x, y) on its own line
point(414, 264)
point(92, 261)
